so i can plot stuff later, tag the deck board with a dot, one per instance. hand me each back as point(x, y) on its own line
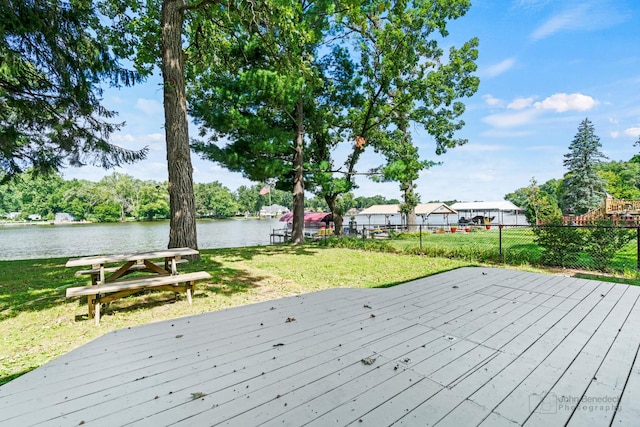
point(472, 346)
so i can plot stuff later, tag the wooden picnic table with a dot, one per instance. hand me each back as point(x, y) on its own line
point(163, 276)
point(142, 259)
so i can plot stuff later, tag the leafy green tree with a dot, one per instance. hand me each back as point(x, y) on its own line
point(215, 200)
point(51, 64)
point(344, 77)
point(519, 197)
point(123, 191)
point(399, 79)
point(622, 178)
point(82, 197)
point(539, 206)
point(109, 211)
point(365, 202)
point(256, 83)
point(583, 188)
point(39, 195)
point(247, 198)
point(315, 204)
point(153, 201)
point(406, 83)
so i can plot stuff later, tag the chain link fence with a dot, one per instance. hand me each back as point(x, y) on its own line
point(602, 248)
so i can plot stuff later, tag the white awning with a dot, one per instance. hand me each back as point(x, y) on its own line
point(423, 209)
point(502, 205)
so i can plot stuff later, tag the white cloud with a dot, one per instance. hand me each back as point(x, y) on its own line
point(520, 103)
point(120, 138)
point(507, 120)
point(632, 131)
point(490, 100)
point(582, 15)
point(150, 107)
point(561, 102)
point(499, 68)
point(615, 134)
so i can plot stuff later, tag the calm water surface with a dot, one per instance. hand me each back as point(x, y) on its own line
point(44, 241)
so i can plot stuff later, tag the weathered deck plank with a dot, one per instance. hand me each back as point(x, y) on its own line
point(473, 346)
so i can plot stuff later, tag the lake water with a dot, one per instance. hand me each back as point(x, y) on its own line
point(71, 240)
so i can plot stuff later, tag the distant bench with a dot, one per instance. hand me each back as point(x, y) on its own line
point(107, 292)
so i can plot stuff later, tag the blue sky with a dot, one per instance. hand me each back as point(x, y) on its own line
point(544, 66)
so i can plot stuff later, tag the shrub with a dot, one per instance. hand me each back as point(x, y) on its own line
point(603, 241)
point(561, 246)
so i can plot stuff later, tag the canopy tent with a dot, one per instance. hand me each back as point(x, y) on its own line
point(310, 217)
point(487, 208)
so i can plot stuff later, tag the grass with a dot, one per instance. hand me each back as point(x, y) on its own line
point(39, 324)
point(518, 248)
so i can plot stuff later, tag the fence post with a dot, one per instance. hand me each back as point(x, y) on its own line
point(500, 243)
point(420, 239)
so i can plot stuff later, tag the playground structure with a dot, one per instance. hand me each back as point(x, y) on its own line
point(621, 212)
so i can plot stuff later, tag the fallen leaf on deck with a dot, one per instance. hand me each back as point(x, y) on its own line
point(368, 360)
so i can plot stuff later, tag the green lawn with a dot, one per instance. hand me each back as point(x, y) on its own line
point(38, 323)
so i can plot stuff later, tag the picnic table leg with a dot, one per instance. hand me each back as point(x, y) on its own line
point(190, 286)
point(90, 299)
point(97, 303)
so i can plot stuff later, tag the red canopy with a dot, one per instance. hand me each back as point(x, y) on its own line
point(309, 217)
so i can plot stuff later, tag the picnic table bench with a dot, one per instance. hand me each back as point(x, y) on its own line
point(164, 276)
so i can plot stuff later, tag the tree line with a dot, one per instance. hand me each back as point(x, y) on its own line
point(119, 197)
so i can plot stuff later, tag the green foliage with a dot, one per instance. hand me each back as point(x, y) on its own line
point(540, 203)
point(355, 74)
point(214, 200)
point(120, 197)
point(561, 246)
point(583, 188)
point(622, 178)
point(604, 241)
point(51, 64)
point(362, 202)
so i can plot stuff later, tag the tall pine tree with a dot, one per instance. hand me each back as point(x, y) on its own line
point(52, 62)
point(584, 189)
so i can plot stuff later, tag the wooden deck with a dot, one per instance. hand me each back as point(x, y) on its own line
point(474, 346)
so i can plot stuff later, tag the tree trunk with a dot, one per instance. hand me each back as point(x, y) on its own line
point(182, 226)
point(337, 215)
point(409, 198)
point(297, 234)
